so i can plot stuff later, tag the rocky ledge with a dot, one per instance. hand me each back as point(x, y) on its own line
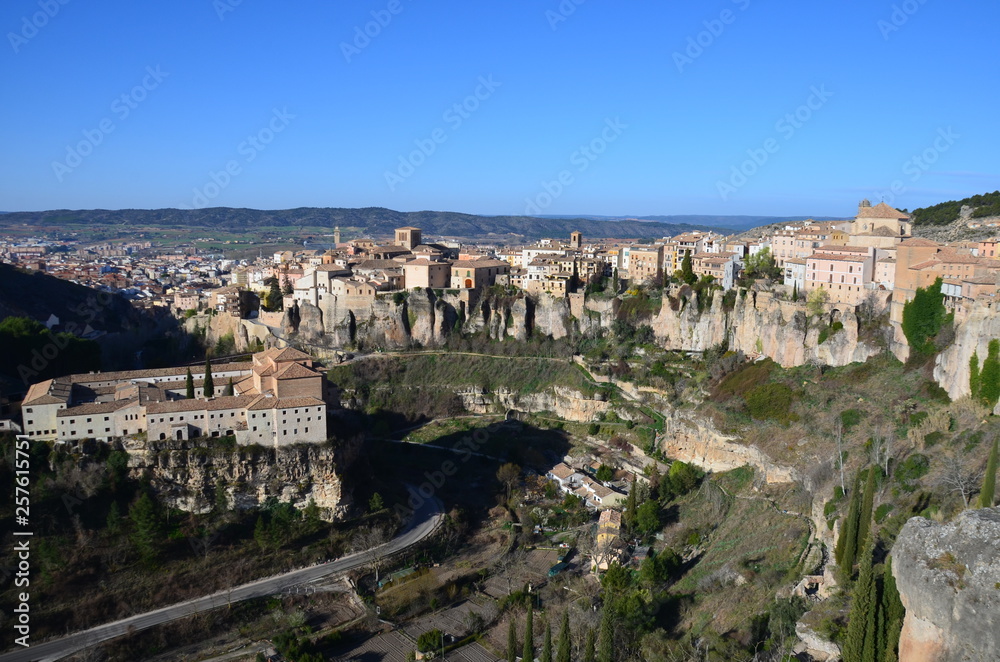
point(949, 581)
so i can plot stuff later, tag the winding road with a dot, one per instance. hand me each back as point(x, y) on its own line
point(423, 523)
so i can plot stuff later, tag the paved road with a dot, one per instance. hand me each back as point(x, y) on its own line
point(421, 525)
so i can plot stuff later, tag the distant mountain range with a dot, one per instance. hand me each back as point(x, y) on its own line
point(378, 221)
point(732, 222)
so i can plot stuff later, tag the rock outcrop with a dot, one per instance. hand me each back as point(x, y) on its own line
point(697, 442)
point(565, 403)
point(972, 335)
point(760, 323)
point(949, 581)
point(187, 476)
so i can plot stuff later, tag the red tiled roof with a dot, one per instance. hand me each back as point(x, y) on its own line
point(881, 210)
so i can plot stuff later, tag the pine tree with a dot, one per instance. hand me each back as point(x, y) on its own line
point(986, 495)
point(590, 647)
point(860, 640)
point(563, 652)
point(867, 502)
point(892, 608)
point(975, 380)
point(189, 383)
point(606, 639)
point(529, 635)
point(209, 383)
point(547, 644)
point(511, 642)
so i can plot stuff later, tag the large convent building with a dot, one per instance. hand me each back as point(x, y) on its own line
point(278, 399)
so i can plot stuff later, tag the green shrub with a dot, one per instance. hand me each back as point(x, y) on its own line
point(912, 468)
point(933, 438)
point(771, 402)
point(741, 381)
point(850, 418)
point(882, 511)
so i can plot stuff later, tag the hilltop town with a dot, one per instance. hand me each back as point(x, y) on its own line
point(555, 416)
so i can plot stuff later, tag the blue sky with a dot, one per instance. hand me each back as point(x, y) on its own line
point(590, 108)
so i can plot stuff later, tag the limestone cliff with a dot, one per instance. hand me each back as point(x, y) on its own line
point(972, 335)
point(949, 581)
point(697, 442)
point(761, 323)
point(186, 475)
point(562, 402)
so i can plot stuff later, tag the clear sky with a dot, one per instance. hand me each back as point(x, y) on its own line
point(718, 107)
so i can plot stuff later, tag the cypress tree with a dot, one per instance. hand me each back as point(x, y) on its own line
point(563, 652)
point(859, 638)
point(230, 389)
point(892, 608)
point(865, 514)
point(795, 291)
point(687, 272)
point(547, 644)
point(209, 383)
point(189, 383)
point(590, 647)
point(529, 635)
point(606, 640)
point(511, 642)
point(630, 510)
point(847, 541)
point(986, 495)
point(989, 378)
point(975, 381)
point(147, 527)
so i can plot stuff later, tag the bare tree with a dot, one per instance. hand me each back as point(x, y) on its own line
point(883, 439)
point(372, 542)
point(956, 478)
point(509, 475)
point(506, 564)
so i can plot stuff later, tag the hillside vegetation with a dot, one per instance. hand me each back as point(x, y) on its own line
point(987, 204)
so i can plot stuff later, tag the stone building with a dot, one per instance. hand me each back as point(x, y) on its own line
point(277, 400)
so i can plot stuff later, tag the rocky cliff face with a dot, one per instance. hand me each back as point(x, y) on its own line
point(565, 403)
point(186, 475)
point(760, 323)
point(949, 581)
point(697, 442)
point(972, 335)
